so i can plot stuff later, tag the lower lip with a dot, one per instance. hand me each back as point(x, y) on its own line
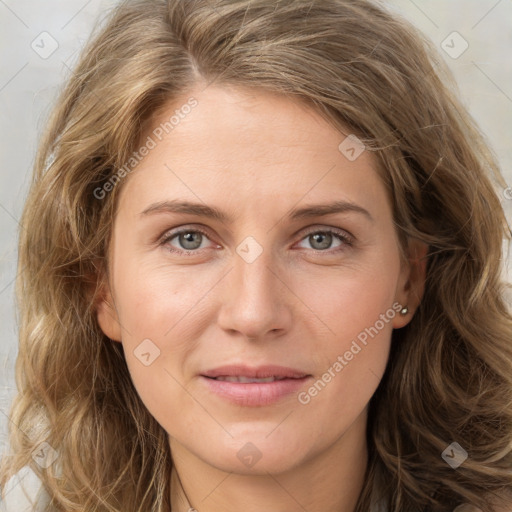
point(255, 394)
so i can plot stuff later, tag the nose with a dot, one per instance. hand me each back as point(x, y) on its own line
point(255, 299)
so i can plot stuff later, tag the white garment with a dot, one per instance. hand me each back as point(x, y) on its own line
point(24, 492)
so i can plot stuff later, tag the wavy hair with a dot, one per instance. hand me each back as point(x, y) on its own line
point(362, 67)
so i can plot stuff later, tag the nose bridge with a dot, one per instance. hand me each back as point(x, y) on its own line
point(251, 270)
point(254, 300)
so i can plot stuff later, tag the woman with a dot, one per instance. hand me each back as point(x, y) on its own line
point(262, 267)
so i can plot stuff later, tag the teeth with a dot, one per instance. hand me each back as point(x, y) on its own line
point(247, 380)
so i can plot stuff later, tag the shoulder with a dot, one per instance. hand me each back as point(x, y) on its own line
point(24, 492)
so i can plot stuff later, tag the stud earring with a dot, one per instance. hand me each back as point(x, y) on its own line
point(404, 310)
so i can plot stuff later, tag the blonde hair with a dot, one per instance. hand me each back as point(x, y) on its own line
point(449, 376)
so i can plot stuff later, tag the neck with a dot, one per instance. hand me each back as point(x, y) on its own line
point(330, 481)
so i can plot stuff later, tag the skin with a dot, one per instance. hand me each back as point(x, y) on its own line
point(257, 155)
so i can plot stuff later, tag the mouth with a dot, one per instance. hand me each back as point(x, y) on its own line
point(266, 373)
point(256, 386)
point(246, 380)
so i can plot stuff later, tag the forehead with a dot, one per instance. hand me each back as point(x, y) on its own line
point(251, 115)
point(253, 143)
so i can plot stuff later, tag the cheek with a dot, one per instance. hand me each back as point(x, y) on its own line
point(357, 343)
point(156, 300)
point(351, 365)
point(356, 310)
point(162, 311)
point(351, 298)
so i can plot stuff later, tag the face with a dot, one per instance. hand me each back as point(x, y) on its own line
point(246, 237)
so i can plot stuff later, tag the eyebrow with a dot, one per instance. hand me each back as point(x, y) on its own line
point(315, 210)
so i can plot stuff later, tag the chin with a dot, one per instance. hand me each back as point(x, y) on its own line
point(257, 454)
point(273, 463)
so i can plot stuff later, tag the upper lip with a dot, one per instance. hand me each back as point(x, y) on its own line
point(258, 372)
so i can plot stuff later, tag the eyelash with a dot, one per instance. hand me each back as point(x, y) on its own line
point(344, 237)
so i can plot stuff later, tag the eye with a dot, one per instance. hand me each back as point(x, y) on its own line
point(188, 241)
point(320, 240)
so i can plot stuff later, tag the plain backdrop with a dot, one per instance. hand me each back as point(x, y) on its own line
point(40, 41)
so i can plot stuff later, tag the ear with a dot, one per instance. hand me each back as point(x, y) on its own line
point(411, 285)
point(106, 313)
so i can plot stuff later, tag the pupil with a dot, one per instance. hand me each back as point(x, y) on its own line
point(326, 240)
point(189, 242)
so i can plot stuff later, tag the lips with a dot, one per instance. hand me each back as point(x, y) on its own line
point(254, 386)
point(247, 374)
point(247, 380)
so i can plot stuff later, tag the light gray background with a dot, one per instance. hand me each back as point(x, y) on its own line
point(29, 83)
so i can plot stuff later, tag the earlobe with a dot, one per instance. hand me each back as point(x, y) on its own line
point(107, 317)
point(412, 282)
